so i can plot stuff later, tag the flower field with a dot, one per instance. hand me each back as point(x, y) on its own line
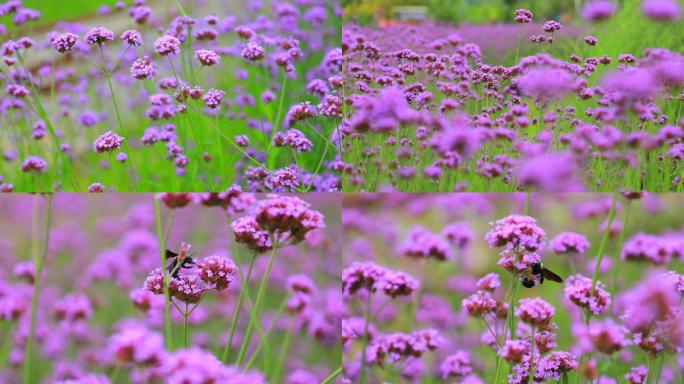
point(170, 96)
point(89, 294)
point(589, 104)
point(452, 288)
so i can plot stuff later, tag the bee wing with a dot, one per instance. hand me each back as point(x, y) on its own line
point(170, 254)
point(552, 276)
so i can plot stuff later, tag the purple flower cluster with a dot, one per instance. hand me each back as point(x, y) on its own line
point(369, 277)
point(421, 243)
point(578, 290)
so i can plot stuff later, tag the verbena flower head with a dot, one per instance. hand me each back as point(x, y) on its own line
point(175, 200)
point(490, 282)
point(535, 312)
point(289, 218)
point(421, 243)
point(551, 26)
point(479, 303)
point(650, 301)
point(207, 57)
point(64, 42)
point(73, 307)
point(545, 84)
point(513, 351)
point(398, 346)
point(637, 375)
point(458, 234)
point(249, 232)
point(167, 45)
point(578, 290)
point(607, 336)
point(132, 38)
point(362, 276)
point(397, 283)
point(661, 10)
point(597, 10)
point(553, 365)
point(253, 52)
point(523, 16)
point(644, 247)
point(137, 345)
point(34, 164)
point(516, 232)
point(456, 365)
point(195, 365)
point(99, 35)
point(187, 288)
point(217, 271)
point(143, 68)
point(570, 242)
point(155, 282)
point(107, 142)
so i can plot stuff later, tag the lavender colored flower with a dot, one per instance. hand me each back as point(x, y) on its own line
point(34, 164)
point(661, 10)
point(637, 375)
point(213, 98)
point(289, 218)
point(137, 345)
point(167, 45)
point(362, 276)
point(96, 188)
point(479, 303)
point(553, 365)
point(197, 366)
point(143, 68)
point(64, 42)
point(516, 232)
point(490, 282)
point(535, 312)
point(247, 231)
point(551, 26)
point(458, 234)
point(607, 336)
point(132, 38)
point(597, 10)
point(570, 242)
point(578, 289)
point(523, 16)
point(545, 84)
point(207, 57)
point(513, 351)
point(107, 142)
point(456, 365)
point(397, 283)
point(217, 271)
point(155, 282)
point(99, 35)
point(187, 288)
point(643, 247)
point(253, 52)
point(421, 243)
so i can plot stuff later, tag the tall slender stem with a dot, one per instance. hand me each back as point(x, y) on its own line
point(185, 326)
point(332, 376)
point(108, 75)
point(283, 352)
point(254, 318)
point(604, 241)
point(168, 337)
point(238, 308)
point(531, 375)
point(38, 261)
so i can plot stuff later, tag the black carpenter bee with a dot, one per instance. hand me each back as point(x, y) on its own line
point(536, 275)
point(179, 260)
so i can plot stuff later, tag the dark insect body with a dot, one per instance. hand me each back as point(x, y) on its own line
point(178, 261)
point(536, 275)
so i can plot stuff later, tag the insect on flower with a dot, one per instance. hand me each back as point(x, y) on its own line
point(180, 260)
point(536, 274)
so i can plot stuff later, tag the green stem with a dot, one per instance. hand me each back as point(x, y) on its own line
point(168, 337)
point(38, 261)
point(332, 376)
point(365, 339)
point(257, 304)
point(283, 352)
point(531, 375)
point(236, 314)
point(108, 75)
point(604, 241)
point(278, 313)
point(185, 326)
point(616, 267)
